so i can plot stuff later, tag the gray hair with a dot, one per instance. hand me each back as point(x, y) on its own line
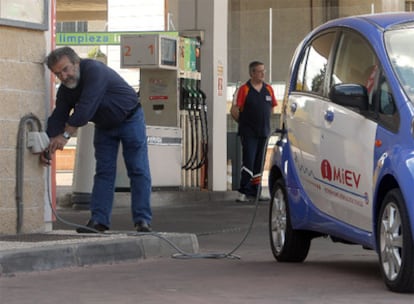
point(57, 54)
point(253, 65)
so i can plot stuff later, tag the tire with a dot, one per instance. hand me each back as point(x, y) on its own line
point(287, 244)
point(395, 243)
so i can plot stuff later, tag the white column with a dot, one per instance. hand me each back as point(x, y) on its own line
point(211, 16)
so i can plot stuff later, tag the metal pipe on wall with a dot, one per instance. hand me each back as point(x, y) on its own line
point(33, 123)
point(311, 14)
point(270, 43)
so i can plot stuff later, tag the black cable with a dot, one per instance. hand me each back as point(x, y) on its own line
point(230, 254)
point(204, 131)
point(193, 163)
point(181, 253)
point(189, 159)
point(194, 139)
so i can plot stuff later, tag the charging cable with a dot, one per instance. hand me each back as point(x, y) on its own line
point(181, 254)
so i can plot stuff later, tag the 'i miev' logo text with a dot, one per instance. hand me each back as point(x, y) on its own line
point(340, 175)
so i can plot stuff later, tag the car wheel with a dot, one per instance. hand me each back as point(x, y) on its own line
point(287, 244)
point(395, 244)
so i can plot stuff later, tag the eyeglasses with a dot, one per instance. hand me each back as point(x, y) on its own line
point(260, 71)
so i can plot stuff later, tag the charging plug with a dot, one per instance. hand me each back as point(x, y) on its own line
point(37, 141)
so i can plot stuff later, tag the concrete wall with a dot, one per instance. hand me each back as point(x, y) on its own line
point(392, 5)
point(22, 91)
point(249, 29)
point(357, 7)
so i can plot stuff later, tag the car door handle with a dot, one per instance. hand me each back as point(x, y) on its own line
point(329, 115)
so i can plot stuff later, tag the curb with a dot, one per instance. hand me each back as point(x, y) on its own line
point(101, 250)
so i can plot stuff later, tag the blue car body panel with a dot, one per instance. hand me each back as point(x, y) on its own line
point(393, 161)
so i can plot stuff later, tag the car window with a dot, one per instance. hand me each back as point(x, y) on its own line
point(355, 62)
point(386, 110)
point(386, 103)
point(312, 69)
point(400, 50)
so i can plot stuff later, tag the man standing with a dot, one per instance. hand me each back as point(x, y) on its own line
point(253, 107)
point(91, 91)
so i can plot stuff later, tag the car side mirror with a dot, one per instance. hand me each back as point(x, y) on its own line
point(350, 95)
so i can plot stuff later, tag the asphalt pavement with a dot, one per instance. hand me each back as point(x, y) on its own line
point(179, 218)
point(127, 268)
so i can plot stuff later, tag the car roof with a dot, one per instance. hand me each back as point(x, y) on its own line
point(388, 20)
point(382, 21)
point(371, 26)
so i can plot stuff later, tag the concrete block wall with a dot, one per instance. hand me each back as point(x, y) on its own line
point(249, 31)
point(22, 91)
point(358, 7)
point(249, 28)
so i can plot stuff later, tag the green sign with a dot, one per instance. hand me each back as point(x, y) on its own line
point(99, 38)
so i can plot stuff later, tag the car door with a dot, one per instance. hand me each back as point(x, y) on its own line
point(348, 138)
point(305, 105)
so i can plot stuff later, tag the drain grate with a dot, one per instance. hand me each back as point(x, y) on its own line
point(40, 237)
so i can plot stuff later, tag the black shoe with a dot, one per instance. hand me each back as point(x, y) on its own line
point(94, 226)
point(143, 226)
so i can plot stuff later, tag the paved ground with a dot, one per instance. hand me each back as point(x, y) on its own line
point(125, 268)
point(332, 273)
point(179, 218)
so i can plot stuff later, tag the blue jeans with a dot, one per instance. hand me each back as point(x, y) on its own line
point(132, 134)
point(253, 152)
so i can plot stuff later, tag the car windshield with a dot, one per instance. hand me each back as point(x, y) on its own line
point(400, 48)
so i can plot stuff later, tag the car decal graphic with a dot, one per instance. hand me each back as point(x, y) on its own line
point(330, 188)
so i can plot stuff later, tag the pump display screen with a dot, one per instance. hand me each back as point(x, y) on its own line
point(168, 51)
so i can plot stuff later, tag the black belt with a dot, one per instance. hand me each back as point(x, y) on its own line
point(132, 112)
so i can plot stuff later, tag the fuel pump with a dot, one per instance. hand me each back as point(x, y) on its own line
point(192, 112)
point(156, 56)
point(165, 62)
point(195, 125)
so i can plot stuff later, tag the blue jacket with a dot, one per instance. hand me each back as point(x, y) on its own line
point(102, 96)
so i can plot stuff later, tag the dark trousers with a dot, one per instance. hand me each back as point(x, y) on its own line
point(253, 153)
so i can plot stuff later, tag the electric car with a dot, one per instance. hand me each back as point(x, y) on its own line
point(343, 165)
